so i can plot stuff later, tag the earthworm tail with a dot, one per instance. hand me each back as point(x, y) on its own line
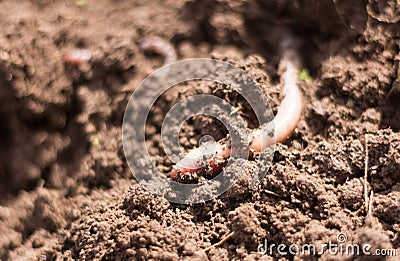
point(290, 109)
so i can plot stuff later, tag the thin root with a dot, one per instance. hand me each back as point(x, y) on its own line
point(223, 240)
point(366, 173)
point(369, 212)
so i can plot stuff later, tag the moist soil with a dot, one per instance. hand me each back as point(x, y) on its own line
point(67, 192)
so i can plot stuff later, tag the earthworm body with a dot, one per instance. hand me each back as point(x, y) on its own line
point(211, 158)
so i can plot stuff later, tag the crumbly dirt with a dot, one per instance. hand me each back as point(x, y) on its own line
point(67, 192)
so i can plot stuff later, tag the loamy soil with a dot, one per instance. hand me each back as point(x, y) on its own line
point(67, 191)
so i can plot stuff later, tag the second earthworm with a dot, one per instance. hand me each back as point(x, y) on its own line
point(160, 46)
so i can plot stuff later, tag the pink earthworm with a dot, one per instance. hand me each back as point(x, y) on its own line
point(77, 57)
point(160, 46)
point(286, 121)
